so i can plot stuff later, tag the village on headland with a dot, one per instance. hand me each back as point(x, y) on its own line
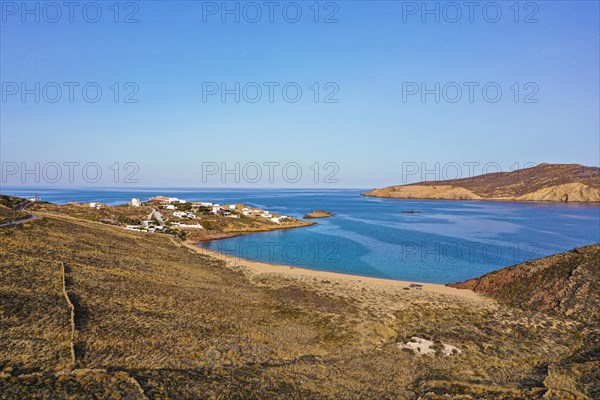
point(192, 220)
point(177, 213)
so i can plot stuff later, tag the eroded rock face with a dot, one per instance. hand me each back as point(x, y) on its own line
point(545, 182)
point(574, 192)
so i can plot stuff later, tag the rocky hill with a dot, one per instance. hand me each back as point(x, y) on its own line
point(566, 283)
point(545, 182)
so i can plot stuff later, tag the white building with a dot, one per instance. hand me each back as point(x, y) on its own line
point(135, 202)
point(95, 205)
point(232, 206)
point(191, 226)
point(169, 207)
point(278, 219)
point(180, 214)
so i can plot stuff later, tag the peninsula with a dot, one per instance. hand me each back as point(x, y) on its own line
point(545, 182)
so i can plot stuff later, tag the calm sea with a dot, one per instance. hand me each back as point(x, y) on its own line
point(449, 241)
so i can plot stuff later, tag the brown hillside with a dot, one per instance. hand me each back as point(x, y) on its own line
point(89, 310)
point(545, 182)
point(566, 283)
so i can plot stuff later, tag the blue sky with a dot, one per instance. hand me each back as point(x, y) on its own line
point(373, 51)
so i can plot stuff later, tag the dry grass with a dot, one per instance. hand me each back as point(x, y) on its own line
point(186, 326)
point(7, 214)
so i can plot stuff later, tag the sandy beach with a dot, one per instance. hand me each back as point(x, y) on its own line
point(257, 268)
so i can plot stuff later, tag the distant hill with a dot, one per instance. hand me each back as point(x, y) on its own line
point(566, 283)
point(545, 182)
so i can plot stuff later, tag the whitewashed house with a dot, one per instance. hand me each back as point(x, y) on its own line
point(135, 202)
point(278, 219)
point(180, 214)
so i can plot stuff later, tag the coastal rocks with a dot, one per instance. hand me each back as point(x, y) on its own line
point(318, 214)
point(422, 347)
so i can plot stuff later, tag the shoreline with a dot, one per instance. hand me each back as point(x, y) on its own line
point(258, 267)
point(232, 234)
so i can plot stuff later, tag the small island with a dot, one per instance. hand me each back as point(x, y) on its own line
point(318, 214)
point(411, 212)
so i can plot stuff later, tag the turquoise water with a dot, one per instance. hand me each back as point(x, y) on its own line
point(450, 241)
